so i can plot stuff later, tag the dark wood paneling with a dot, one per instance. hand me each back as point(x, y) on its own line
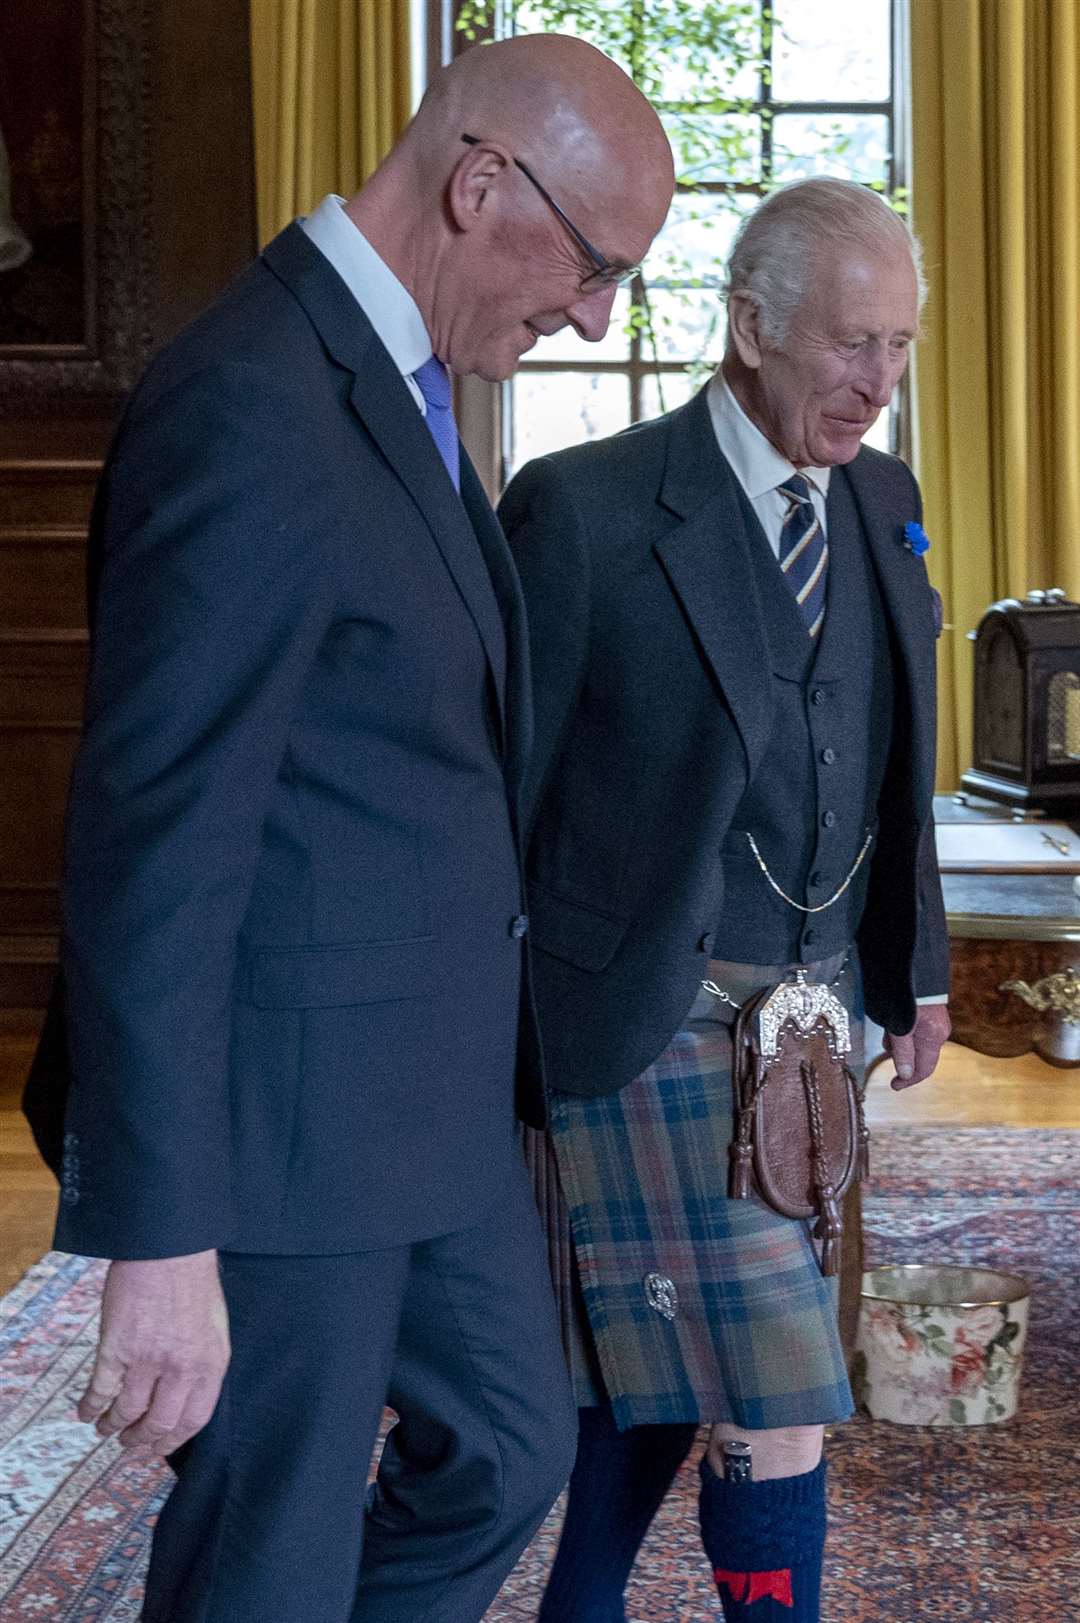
point(41, 570)
point(58, 492)
point(169, 218)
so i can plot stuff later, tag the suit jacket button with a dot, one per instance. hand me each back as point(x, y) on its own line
point(706, 943)
point(71, 1141)
point(519, 926)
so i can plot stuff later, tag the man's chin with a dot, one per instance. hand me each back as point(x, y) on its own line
point(493, 368)
point(844, 451)
point(843, 442)
point(840, 448)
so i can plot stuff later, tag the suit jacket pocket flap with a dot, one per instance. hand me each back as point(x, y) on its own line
point(571, 932)
point(335, 977)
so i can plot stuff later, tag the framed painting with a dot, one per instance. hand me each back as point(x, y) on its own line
point(73, 87)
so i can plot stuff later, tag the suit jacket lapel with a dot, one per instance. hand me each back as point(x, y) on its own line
point(707, 560)
point(516, 696)
point(384, 406)
point(906, 603)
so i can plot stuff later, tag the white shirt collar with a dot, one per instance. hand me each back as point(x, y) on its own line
point(386, 302)
point(757, 463)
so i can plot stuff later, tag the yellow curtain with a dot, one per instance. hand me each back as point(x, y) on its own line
point(996, 200)
point(331, 90)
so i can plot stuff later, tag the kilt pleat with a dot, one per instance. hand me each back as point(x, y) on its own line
point(677, 1303)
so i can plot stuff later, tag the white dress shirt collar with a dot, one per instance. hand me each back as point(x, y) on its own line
point(757, 464)
point(386, 302)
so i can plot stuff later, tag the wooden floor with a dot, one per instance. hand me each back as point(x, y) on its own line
point(967, 1090)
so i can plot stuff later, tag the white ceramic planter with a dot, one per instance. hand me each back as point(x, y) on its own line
point(940, 1345)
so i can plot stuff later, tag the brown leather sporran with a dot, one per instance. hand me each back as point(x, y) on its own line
point(800, 1134)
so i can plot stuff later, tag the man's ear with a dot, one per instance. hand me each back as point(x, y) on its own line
point(473, 186)
point(744, 324)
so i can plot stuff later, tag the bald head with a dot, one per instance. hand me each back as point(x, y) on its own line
point(478, 231)
point(557, 102)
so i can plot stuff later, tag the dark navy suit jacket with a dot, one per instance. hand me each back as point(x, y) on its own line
point(292, 899)
point(652, 711)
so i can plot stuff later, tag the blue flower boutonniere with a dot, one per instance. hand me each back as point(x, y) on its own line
point(915, 538)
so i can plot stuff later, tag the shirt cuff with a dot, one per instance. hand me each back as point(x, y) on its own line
point(942, 997)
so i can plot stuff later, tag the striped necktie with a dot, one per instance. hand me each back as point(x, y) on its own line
point(804, 552)
point(433, 381)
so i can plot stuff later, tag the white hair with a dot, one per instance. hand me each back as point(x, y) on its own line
point(777, 246)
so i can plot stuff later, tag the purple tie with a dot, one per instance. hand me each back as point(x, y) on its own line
point(433, 381)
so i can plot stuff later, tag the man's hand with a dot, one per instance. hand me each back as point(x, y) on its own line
point(916, 1055)
point(162, 1353)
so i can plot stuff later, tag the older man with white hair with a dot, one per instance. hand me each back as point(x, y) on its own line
point(733, 650)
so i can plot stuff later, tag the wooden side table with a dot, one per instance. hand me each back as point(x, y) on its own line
point(1015, 947)
point(1014, 943)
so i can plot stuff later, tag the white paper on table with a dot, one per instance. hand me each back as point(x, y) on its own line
point(1007, 848)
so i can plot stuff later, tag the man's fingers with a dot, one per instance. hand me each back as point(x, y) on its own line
point(902, 1053)
point(177, 1412)
point(106, 1383)
point(160, 1416)
point(163, 1352)
point(201, 1404)
point(916, 1054)
point(163, 1414)
point(130, 1403)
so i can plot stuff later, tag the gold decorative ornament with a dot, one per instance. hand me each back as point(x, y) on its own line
point(1059, 993)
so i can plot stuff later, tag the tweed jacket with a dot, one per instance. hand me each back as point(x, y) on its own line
point(652, 710)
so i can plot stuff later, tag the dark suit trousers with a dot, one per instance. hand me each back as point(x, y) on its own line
point(268, 1523)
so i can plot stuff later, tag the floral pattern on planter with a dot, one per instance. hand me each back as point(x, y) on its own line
point(921, 1365)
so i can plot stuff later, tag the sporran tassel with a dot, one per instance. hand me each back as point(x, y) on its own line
point(863, 1170)
point(741, 1157)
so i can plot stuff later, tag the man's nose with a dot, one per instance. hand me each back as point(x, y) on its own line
point(880, 377)
point(591, 314)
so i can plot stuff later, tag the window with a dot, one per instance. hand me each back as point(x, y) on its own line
point(816, 89)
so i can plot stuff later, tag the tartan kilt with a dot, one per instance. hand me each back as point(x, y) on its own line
point(677, 1303)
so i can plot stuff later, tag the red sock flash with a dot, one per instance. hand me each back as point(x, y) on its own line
point(751, 1586)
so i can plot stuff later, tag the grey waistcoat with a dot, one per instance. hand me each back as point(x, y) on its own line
point(814, 796)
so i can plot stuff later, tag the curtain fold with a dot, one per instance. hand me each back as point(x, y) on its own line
point(331, 91)
point(996, 202)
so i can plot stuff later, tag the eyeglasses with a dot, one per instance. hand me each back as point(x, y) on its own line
point(606, 274)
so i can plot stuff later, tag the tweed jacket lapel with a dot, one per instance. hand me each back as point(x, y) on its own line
point(384, 406)
point(901, 578)
point(707, 560)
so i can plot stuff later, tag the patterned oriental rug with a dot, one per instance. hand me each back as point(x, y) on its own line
point(974, 1526)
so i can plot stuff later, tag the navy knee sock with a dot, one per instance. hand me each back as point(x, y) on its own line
point(765, 1542)
point(619, 1479)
